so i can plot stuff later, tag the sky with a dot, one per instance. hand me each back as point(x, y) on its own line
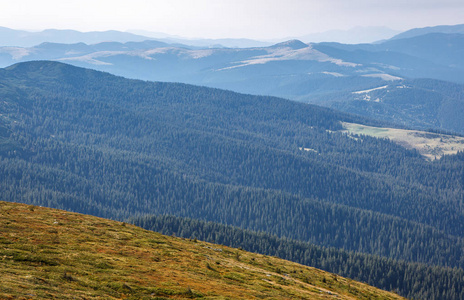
point(255, 19)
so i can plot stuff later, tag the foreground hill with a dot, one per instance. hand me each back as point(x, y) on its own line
point(412, 280)
point(49, 253)
point(94, 143)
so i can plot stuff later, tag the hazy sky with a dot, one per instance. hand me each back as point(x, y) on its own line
point(259, 19)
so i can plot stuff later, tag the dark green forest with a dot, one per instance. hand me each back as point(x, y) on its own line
point(98, 144)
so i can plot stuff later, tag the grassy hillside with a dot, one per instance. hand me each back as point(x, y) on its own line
point(411, 280)
point(430, 145)
point(49, 253)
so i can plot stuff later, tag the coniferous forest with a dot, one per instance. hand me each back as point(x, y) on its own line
point(362, 207)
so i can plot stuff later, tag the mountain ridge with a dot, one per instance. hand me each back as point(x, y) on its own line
point(356, 35)
point(459, 28)
point(22, 38)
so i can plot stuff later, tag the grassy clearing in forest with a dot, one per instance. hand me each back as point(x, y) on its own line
point(430, 145)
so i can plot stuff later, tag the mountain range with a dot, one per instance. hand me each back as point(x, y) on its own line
point(23, 38)
point(356, 35)
point(94, 143)
point(341, 76)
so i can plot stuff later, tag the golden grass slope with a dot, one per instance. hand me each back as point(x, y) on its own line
point(53, 254)
point(430, 145)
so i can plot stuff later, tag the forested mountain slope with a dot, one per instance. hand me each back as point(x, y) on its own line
point(91, 142)
point(418, 103)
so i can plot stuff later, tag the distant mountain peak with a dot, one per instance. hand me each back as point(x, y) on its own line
point(293, 44)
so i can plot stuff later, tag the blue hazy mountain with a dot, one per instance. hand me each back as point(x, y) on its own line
point(292, 62)
point(355, 35)
point(202, 42)
point(434, 29)
point(352, 36)
point(443, 49)
point(22, 38)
